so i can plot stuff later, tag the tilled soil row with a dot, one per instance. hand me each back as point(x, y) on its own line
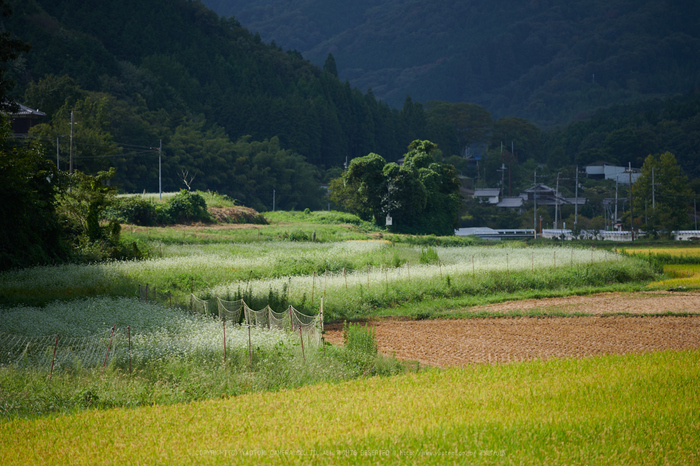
point(458, 342)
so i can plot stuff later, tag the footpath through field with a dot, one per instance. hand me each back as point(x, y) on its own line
point(614, 323)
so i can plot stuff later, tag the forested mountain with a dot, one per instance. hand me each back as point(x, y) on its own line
point(237, 115)
point(242, 117)
point(544, 60)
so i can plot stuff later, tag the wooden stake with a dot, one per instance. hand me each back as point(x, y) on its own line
point(55, 346)
point(250, 351)
point(346, 278)
point(224, 325)
point(301, 337)
point(128, 329)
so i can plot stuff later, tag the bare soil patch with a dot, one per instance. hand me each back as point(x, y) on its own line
point(614, 323)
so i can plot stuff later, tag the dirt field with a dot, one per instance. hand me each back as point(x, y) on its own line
point(614, 323)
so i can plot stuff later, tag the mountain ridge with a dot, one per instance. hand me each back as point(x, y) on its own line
point(544, 60)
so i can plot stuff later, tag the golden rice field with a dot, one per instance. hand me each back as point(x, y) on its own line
point(684, 275)
point(678, 252)
point(631, 409)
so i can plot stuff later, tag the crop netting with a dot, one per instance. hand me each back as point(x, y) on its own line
point(122, 347)
point(290, 320)
point(310, 327)
point(63, 351)
point(230, 311)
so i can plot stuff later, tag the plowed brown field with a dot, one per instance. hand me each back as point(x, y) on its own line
point(613, 323)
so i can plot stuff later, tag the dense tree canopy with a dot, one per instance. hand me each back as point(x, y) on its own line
point(662, 191)
point(471, 123)
point(29, 226)
point(421, 196)
point(10, 49)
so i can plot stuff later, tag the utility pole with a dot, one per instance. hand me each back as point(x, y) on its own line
point(503, 172)
point(503, 177)
point(576, 205)
point(160, 185)
point(653, 191)
point(273, 199)
point(556, 204)
point(510, 161)
point(534, 196)
point(631, 209)
point(70, 171)
point(615, 219)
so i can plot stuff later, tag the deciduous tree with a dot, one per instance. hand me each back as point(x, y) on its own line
point(668, 201)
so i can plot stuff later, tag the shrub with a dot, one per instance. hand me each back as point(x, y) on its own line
point(429, 256)
point(187, 207)
point(135, 210)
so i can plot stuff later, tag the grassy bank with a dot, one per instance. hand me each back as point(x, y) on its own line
point(354, 279)
point(632, 409)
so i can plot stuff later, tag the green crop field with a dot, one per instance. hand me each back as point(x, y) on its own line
point(83, 355)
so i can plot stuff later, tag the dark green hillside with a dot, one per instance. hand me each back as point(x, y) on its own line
point(545, 60)
point(624, 134)
point(142, 71)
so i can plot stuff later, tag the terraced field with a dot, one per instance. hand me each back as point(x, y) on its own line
point(610, 323)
